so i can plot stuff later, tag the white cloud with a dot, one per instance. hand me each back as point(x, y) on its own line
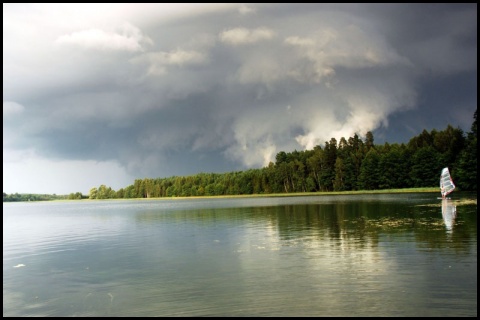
point(240, 36)
point(130, 38)
point(181, 57)
point(345, 47)
point(298, 41)
point(257, 154)
point(157, 63)
point(355, 107)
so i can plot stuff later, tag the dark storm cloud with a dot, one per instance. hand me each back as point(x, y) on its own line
point(166, 90)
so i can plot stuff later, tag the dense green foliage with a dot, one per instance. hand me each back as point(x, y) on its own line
point(14, 197)
point(348, 165)
point(76, 196)
point(351, 164)
point(467, 160)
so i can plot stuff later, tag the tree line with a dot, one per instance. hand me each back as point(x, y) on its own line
point(345, 165)
point(348, 164)
point(14, 197)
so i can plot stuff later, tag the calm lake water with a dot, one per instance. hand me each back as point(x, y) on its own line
point(338, 255)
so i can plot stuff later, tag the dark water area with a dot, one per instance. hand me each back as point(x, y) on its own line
point(339, 255)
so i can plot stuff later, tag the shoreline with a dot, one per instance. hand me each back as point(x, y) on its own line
point(265, 195)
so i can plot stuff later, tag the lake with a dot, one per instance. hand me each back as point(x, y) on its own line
point(330, 255)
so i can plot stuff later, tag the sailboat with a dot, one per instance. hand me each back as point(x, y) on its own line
point(446, 183)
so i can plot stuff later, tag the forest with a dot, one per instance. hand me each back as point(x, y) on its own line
point(14, 197)
point(345, 165)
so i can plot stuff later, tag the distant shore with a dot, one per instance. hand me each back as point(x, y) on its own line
point(266, 195)
point(293, 194)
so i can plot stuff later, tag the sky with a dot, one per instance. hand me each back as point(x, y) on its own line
point(108, 93)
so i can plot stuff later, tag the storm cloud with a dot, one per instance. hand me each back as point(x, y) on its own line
point(156, 90)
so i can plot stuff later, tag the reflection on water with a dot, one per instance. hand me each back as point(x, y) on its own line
point(375, 255)
point(449, 212)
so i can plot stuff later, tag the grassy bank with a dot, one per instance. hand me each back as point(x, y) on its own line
point(297, 194)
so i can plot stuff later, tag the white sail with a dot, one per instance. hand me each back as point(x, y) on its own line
point(446, 183)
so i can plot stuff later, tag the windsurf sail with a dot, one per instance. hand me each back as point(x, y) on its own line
point(446, 182)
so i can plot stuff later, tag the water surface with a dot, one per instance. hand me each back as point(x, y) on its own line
point(339, 255)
